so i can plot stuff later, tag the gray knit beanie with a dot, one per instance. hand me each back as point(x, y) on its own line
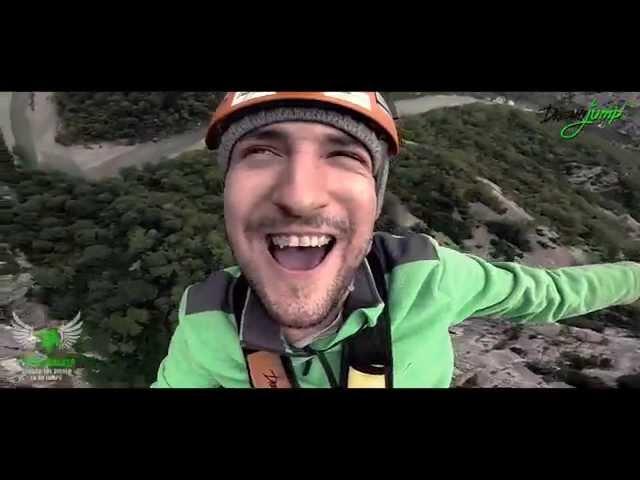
point(378, 148)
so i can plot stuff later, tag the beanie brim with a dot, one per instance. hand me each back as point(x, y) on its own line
point(378, 148)
point(346, 123)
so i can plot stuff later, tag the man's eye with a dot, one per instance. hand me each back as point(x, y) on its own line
point(259, 150)
point(346, 154)
point(262, 151)
point(350, 155)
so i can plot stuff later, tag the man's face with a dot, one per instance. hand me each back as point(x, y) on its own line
point(300, 206)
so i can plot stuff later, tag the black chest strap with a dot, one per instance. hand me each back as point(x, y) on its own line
point(368, 356)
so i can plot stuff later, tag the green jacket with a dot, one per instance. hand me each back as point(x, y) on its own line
point(430, 289)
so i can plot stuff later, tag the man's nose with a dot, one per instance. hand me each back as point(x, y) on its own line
point(301, 189)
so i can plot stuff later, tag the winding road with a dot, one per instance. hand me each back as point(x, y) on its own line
point(416, 106)
point(33, 130)
point(5, 118)
point(149, 153)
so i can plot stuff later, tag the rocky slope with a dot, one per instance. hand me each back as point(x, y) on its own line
point(491, 353)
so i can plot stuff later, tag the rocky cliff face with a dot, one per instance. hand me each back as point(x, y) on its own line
point(593, 178)
point(493, 353)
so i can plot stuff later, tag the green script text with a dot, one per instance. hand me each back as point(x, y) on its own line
point(593, 115)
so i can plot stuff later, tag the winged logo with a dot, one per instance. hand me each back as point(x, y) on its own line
point(48, 339)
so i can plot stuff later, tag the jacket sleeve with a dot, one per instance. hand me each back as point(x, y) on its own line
point(180, 368)
point(477, 287)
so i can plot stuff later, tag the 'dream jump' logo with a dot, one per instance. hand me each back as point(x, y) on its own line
point(595, 115)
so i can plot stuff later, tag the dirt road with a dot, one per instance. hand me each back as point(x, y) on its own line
point(148, 153)
point(20, 127)
point(415, 106)
point(5, 118)
point(35, 132)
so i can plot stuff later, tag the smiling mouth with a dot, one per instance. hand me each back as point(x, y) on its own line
point(300, 252)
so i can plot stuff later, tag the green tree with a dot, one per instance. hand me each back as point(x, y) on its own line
point(170, 100)
point(53, 234)
point(140, 241)
point(42, 246)
point(630, 185)
point(514, 233)
point(155, 259)
point(55, 279)
point(99, 289)
point(133, 116)
point(6, 217)
point(137, 292)
point(95, 255)
point(631, 250)
point(85, 237)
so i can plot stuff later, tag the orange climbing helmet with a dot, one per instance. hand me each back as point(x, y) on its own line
point(370, 106)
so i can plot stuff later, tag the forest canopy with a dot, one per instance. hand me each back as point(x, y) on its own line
point(122, 251)
point(92, 117)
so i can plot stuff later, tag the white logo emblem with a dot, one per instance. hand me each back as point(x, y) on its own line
point(241, 97)
point(67, 334)
point(382, 102)
point(361, 99)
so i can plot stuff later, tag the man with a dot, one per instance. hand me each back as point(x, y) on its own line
point(318, 299)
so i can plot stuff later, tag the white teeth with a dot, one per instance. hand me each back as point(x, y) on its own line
point(323, 240)
point(284, 241)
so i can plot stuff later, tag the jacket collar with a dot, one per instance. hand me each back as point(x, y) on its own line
point(259, 332)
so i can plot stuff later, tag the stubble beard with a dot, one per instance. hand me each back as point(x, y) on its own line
point(301, 308)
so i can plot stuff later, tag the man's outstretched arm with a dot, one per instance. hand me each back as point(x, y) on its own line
point(527, 294)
